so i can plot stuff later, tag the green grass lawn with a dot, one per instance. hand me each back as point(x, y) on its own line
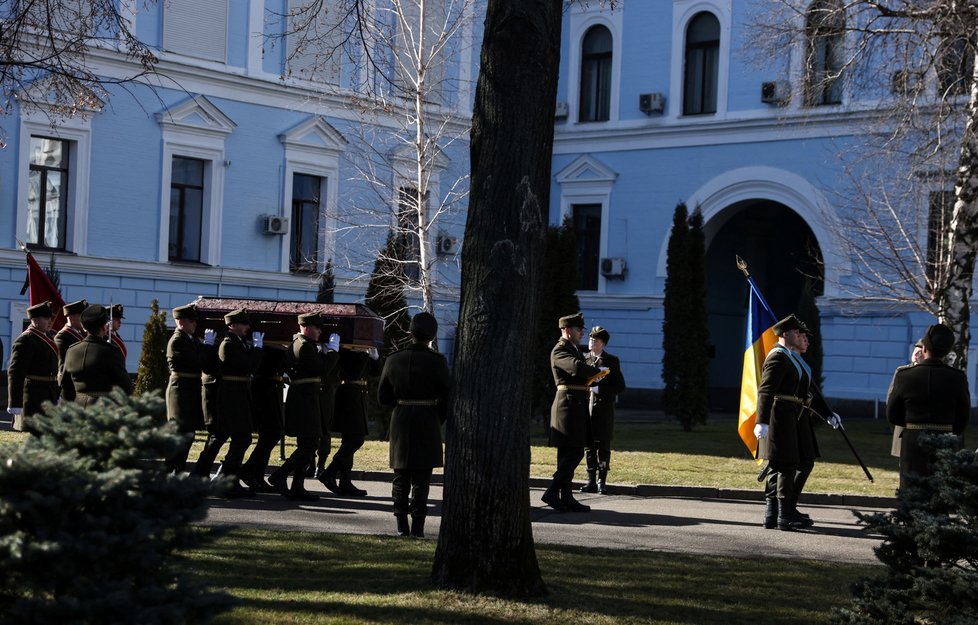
point(290, 577)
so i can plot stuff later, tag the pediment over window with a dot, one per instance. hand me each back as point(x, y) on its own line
point(314, 133)
point(196, 113)
point(53, 98)
point(586, 168)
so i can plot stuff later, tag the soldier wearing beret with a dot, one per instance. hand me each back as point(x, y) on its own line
point(569, 412)
point(929, 397)
point(238, 359)
point(71, 333)
point(785, 424)
point(93, 367)
point(187, 357)
point(415, 382)
point(601, 424)
point(32, 373)
point(311, 362)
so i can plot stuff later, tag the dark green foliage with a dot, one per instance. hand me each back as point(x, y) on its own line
point(153, 372)
point(809, 313)
point(558, 297)
point(53, 273)
point(930, 548)
point(385, 296)
point(327, 284)
point(685, 338)
point(91, 521)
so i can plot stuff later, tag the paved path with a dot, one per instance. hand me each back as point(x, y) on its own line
point(679, 524)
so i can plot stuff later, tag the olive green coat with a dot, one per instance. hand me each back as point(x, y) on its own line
point(236, 360)
point(350, 412)
point(602, 403)
point(93, 367)
point(303, 411)
point(34, 355)
point(569, 411)
point(186, 357)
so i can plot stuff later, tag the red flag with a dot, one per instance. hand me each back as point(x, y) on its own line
point(42, 290)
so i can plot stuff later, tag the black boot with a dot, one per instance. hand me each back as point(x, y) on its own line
point(591, 486)
point(770, 514)
point(551, 497)
point(788, 517)
point(402, 525)
point(417, 526)
point(279, 481)
point(808, 519)
point(603, 481)
point(347, 488)
point(573, 505)
point(328, 479)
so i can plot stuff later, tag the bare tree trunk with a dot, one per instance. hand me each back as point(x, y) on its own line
point(486, 540)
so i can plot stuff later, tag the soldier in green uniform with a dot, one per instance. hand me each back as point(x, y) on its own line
point(601, 424)
point(569, 412)
point(929, 397)
point(415, 381)
point(327, 403)
point(71, 333)
point(117, 316)
point(187, 357)
point(266, 391)
point(238, 359)
point(311, 362)
point(93, 367)
point(32, 373)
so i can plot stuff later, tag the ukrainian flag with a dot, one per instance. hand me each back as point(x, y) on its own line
point(760, 340)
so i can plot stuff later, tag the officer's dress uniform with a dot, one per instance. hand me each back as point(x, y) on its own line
point(32, 374)
point(65, 338)
point(327, 405)
point(601, 421)
point(415, 381)
point(93, 368)
point(266, 390)
point(929, 397)
point(187, 357)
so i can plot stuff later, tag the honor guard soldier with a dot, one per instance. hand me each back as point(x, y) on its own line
point(415, 381)
point(187, 357)
point(93, 367)
point(71, 333)
point(327, 403)
point(238, 359)
point(785, 431)
point(117, 317)
point(929, 397)
point(266, 393)
point(601, 424)
point(311, 362)
point(569, 412)
point(350, 417)
point(32, 373)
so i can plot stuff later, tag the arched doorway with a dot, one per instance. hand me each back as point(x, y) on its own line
point(781, 252)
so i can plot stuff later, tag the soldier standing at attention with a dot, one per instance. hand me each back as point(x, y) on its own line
point(117, 317)
point(415, 381)
point(601, 425)
point(186, 357)
point(929, 397)
point(71, 333)
point(238, 359)
point(569, 412)
point(93, 367)
point(32, 373)
point(916, 356)
point(311, 362)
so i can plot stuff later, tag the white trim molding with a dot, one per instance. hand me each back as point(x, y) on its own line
point(582, 18)
point(682, 12)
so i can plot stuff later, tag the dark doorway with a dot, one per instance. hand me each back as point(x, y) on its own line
point(780, 250)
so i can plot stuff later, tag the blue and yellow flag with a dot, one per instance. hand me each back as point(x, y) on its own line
point(760, 340)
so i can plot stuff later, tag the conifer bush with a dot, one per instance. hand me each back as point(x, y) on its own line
point(153, 372)
point(91, 523)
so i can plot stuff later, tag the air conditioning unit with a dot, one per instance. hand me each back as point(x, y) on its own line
point(650, 103)
point(904, 81)
point(273, 224)
point(776, 92)
point(446, 245)
point(561, 112)
point(613, 268)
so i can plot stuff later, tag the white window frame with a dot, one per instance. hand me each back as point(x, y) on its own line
point(404, 174)
point(582, 18)
point(683, 11)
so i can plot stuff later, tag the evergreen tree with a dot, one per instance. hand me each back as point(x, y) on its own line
point(558, 297)
point(91, 524)
point(153, 372)
point(695, 382)
point(809, 313)
point(327, 284)
point(385, 296)
point(675, 308)
point(930, 548)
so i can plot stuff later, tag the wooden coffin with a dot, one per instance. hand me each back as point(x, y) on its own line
point(358, 326)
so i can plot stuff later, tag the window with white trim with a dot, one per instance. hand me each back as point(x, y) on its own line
point(47, 193)
point(825, 24)
point(596, 57)
point(306, 212)
point(702, 63)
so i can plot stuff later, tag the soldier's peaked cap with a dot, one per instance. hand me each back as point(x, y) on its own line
point(597, 332)
point(185, 312)
point(938, 340)
point(789, 323)
point(44, 309)
point(94, 316)
point(117, 311)
point(75, 307)
point(311, 319)
point(424, 326)
point(237, 316)
point(571, 321)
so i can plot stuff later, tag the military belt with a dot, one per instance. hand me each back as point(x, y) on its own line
point(417, 402)
point(357, 382)
point(572, 387)
point(42, 378)
point(938, 427)
point(793, 399)
point(273, 378)
point(306, 381)
point(236, 378)
point(181, 374)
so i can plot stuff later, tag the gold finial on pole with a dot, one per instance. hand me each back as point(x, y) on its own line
point(742, 265)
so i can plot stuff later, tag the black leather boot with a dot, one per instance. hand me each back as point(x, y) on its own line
point(573, 505)
point(551, 497)
point(402, 525)
point(603, 481)
point(328, 479)
point(591, 486)
point(788, 517)
point(808, 519)
point(417, 526)
point(347, 488)
point(770, 514)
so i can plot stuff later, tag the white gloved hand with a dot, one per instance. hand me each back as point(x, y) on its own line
point(257, 339)
point(835, 421)
point(333, 344)
point(209, 335)
point(760, 431)
point(596, 390)
point(15, 411)
point(286, 379)
point(373, 353)
point(602, 368)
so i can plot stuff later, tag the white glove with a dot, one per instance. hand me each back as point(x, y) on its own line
point(373, 353)
point(286, 379)
point(602, 368)
point(257, 339)
point(595, 389)
point(333, 344)
point(835, 421)
point(760, 431)
point(15, 411)
point(209, 335)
